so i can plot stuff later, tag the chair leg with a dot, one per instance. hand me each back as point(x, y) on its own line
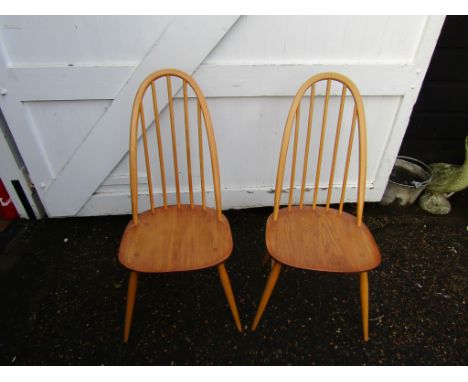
point(265, 259)
point(132, 287)
point(270, 285)
point(223, 275)
point(365, 305)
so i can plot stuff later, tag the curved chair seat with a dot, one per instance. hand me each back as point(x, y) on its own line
point(176, 239)
point(321, 240)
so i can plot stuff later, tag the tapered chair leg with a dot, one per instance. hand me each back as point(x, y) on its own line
point(223, 275)
point(272, 279)
point(132, 287)
point(365, 305)
point(265, 259)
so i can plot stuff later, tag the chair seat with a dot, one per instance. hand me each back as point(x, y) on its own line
point(321, 240)
point(176, 239)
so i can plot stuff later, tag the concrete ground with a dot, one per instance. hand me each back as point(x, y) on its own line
point(62, 294)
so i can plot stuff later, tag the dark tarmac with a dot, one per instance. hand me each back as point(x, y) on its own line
point(63, 298)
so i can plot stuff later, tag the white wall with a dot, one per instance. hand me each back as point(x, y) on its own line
point(68, 71)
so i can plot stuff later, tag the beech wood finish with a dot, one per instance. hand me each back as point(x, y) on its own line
point(321, 238)
point(177, 237)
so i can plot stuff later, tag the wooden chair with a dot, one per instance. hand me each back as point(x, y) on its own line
point(180, 237)
point(313, 237)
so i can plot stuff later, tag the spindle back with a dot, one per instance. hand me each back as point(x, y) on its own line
point(138, 119)
point(294, 118)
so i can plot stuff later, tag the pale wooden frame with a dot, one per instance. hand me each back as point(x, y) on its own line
point(136, 114)
point(292, 116)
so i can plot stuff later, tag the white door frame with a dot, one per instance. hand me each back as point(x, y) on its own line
point(11, 169)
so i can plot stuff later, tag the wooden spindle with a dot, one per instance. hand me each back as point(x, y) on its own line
point(159, 143)
point(200, 151)
point(322, 136)
point(174, 142)
point(348, 157)
point(293, 169)
point(306, 152)
point(133, 161)
point(335, 148)
point(187, 144)
point(361, 191)
point(213, 158)
point(147, 161)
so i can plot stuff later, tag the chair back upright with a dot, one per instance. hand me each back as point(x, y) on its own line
point(149, 88)
point(358, 117)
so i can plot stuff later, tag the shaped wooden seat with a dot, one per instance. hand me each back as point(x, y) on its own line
point(175, 237)
point(321, 238)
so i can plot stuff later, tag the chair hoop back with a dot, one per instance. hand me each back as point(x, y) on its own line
point(294, 116)
point(138, 118)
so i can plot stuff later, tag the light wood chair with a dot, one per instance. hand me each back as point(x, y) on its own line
point(179, 237)
point(313, 237)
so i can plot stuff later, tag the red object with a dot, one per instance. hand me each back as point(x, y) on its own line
point(7, 208)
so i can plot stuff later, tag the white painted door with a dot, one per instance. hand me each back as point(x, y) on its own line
point(69, 84)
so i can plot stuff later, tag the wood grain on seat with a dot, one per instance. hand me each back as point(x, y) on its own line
point(321, 240)
point(176, 239)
